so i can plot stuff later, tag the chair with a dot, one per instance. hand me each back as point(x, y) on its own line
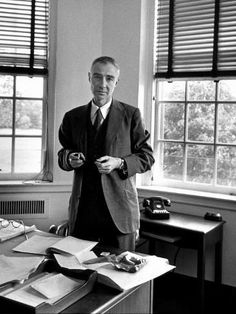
point(61, 229)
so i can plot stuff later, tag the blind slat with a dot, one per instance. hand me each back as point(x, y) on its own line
point(196, 29)
point(24, 36)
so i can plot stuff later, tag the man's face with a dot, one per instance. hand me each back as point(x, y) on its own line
point(103, 79)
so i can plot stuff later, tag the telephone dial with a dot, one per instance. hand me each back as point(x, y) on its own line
point(155, 207)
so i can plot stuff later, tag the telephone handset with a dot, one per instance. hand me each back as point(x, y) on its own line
point(155, 207)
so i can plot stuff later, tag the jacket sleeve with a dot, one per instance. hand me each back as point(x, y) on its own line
point(65, 138)
point(141, 158)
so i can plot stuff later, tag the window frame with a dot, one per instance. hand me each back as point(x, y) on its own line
point(25, 25)
point(170, 74)
point(180, 184)
point(12, 175)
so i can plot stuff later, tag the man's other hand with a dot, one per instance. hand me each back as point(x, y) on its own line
point(76, 160)
point(107, 164)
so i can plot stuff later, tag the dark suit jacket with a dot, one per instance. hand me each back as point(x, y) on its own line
point(126, 138)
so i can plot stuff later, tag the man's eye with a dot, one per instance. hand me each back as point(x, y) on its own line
point(96, 77)
point(110, 79)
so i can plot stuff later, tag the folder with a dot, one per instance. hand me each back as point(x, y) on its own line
point(11, 302)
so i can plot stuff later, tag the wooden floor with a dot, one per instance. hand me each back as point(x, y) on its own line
point(177, 294)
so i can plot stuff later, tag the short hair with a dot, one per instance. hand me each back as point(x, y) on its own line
point(105, 60)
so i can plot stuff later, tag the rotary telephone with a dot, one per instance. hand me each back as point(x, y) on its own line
point(155, 207)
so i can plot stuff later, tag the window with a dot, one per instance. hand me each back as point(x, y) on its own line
point(195, 107)
point(23, 86)
point(195, 136)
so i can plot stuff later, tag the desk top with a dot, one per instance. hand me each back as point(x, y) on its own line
point(186, 222)
point(100, 299)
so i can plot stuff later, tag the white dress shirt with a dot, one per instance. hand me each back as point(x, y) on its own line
point(104, 110)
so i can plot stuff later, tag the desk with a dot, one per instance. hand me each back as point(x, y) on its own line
point(189, 232)
point(102, 299)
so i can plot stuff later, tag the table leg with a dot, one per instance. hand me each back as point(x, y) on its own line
point(218, 260)
point(201, 274)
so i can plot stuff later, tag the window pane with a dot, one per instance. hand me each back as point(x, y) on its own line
point(172, 160)
point(172, 121)
point(201, 119)
point(226, 166)
point(196, 136)
point(227, 90)
point(227, 123)
point(171, 91)
point(29, 86)
point(200, 163)
point(28, 155)
point(6, 85)
point(5, 154)
point(201, 90)
point(6, 116)
point(29, 117)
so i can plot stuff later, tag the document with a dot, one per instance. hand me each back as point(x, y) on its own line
point(110, 276)
point(37, 244)
point(47, 288)
point(71, 262)
point(67, 246)
point(121, 280)
point(16, 269)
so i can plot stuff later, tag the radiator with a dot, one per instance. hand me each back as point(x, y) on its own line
point(24, 208)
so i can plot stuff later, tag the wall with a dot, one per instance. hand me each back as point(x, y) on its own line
point(83, 30)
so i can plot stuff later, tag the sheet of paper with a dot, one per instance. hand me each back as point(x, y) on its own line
point(71, 262)
point(37, 244)
point(73, 246)
point(17, 268)
point(27, 295)
point(56, 286)
point(155, 267)
point(48, 288)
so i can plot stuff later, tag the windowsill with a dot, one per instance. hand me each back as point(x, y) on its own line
point(19, 186)
point(185, 192)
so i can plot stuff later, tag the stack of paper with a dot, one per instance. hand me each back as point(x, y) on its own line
point(10, 232)
point(71, 247)
point(14, 269)
point(118, 279)
point(48, 288)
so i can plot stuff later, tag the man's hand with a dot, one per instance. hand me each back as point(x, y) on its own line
point(107, 164)
point(76, 160)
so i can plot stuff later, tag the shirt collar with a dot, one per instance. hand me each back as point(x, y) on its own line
point(104, 109)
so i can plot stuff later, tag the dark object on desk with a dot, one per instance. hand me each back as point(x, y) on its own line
point(213, 216)
point(155, 207)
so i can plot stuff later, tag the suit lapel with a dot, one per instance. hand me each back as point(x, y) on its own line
point(82, 128)
point(116, 115)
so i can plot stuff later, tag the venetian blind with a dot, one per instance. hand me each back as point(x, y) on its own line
point(24, 36)
point(195, 38)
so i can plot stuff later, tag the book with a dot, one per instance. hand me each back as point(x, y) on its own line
point(111, 275)
point(10, 232)
point(122, 280)
point(44, 245)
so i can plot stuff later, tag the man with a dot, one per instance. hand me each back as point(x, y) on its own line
point(105, 148)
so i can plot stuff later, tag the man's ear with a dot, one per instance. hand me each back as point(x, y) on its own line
point(89, 76)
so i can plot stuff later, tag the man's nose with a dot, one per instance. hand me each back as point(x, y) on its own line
point(103, 82)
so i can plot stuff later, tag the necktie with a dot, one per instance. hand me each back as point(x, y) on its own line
point(98, 119)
